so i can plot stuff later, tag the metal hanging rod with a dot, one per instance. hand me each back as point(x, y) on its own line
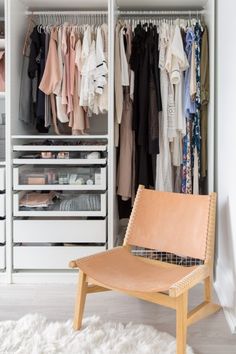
point(66, 13)
point(160, 13)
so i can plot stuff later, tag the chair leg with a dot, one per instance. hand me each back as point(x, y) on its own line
point(181, 323)
point(208, 289)
point(80, 301)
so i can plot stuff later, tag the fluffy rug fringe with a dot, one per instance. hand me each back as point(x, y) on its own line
point(34, 334)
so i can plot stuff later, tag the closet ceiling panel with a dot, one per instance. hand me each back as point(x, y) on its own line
point(65, 5)
point(162, 4)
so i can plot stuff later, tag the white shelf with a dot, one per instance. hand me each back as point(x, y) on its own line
point(2, 95)
point(58, 187)
point(2, 163)
point(63, 137)
point(59, 161)
point(59, 148)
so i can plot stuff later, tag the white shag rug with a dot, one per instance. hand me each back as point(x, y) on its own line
point(33, 334)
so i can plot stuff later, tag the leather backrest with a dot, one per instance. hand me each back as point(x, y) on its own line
point(170, 222)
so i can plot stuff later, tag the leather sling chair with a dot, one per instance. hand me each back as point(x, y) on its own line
point(167, 222)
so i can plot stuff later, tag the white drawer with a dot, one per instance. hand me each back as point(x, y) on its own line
point(2, 206)
point(56, 231)
point(54, 213)
point(40, 148)
point(51, 257)
point(26, 178)
point(2, 257)
point(2, 178)
point(2, 231)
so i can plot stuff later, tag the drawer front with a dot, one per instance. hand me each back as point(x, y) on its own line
point(27, 257)
point(2, 231)
point(55, 211)
point(2, 205)
point(2, 257)
point(60, 178)
point(2, 179)
point(56, 231)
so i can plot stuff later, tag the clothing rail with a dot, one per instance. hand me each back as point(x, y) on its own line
point(66, 13)
point(160, 13)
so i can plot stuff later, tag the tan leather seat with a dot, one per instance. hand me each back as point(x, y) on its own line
point(168, 222)
point(120, 270)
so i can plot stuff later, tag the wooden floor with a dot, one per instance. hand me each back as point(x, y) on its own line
point(56, 302)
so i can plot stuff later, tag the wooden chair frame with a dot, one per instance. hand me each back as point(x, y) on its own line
point(176, 298)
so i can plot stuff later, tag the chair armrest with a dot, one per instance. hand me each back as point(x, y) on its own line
point(189, 281)
point(73, 264)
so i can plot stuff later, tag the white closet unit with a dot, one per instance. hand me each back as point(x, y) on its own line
point(47, 239)
point(2, 167)
point(39, 244)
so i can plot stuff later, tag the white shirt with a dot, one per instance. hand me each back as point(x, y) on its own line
point(123, 58)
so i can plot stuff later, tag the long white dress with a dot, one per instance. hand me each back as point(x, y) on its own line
point(176, 64)
point(163, 160)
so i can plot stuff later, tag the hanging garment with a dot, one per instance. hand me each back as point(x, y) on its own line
point(26, 112)
point(71, 87)
point(61, 109)
point(52, 75)
point(47, 108)
point(197, 115)
point(147, 102)
point(87, 92)
point(176, 64)
point(102, 99)
point(2, 71)
point(79, 115)
point(190, 75)
point(118, 81)
point(124, 172)
point(164, 180)
point(186, 184)
point(189, 110)
point(123, 58)
point(35, 72)
point(171, 99)
point(101, 67)
point(204, 99)
point(149, 93)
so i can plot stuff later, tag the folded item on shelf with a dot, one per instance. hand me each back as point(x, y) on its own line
point(83, 202)
point(47, 155)
point(34, 180)
point(36, 200)
point(93, 155)
point(63, 155)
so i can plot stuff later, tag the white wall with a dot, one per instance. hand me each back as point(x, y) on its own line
point(225, 159)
